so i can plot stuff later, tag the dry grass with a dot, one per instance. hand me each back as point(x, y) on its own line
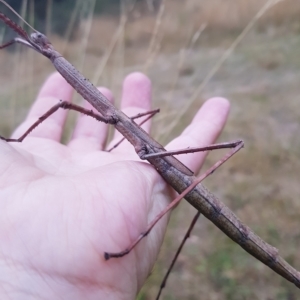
point(261, 78)
point(234, 15)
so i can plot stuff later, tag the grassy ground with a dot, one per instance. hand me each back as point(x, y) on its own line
point(261, 79)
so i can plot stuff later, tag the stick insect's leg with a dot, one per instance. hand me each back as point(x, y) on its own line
point(108, 255)
point(64, 105)
point(151, 114)
point(7, 44)
point(187, 235)
point(16, 40)
point(192, 150)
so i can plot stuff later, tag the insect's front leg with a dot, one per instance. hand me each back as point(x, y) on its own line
point(52, 110)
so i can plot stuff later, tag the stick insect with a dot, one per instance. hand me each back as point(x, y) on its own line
point(172, 170)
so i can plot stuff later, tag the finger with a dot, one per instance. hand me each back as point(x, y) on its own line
point(90, 134)
point(204, 130)
point(136, 98)
point(54, 89)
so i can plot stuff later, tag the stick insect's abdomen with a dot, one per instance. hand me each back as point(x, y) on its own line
point(217, 212)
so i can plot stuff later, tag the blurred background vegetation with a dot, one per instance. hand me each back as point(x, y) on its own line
point(41, 12)
point(247, 51)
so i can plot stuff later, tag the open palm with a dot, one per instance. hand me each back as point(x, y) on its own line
point(63, 206)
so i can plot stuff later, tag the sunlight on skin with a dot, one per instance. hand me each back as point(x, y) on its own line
point(63, 206)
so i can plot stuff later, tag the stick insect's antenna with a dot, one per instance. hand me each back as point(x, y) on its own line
point(7, 5)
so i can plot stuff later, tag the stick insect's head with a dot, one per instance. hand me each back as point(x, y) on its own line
point(40, 43)
point(40, 40)
point(36, 40)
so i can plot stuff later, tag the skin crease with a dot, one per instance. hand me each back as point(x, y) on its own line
point(62, 206)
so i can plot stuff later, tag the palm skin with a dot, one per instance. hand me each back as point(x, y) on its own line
point(63, 206)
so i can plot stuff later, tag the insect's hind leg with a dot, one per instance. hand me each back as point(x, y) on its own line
point(109, 255)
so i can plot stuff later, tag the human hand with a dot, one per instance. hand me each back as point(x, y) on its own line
point(63, 206)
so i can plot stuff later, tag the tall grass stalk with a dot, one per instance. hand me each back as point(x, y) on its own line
point(268, 5)
point(154, 44)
